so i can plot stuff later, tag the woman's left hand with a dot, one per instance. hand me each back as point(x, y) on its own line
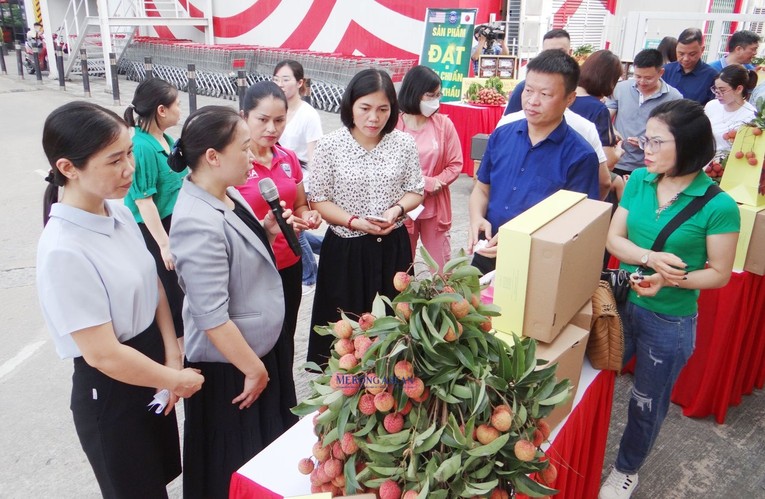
point(312, 219)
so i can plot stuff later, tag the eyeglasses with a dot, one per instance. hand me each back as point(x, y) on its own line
point(719, 92)
point(651, 145)
point(283, 79)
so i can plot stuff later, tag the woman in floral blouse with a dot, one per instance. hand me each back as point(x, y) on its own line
point(366, 177)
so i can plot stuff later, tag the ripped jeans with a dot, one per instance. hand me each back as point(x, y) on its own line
point(662, 345)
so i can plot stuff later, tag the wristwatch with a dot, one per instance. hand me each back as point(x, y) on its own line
point(644, 259)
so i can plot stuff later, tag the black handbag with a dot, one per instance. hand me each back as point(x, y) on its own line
point(619, 279)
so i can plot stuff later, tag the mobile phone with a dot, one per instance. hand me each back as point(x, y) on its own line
point(375, 218)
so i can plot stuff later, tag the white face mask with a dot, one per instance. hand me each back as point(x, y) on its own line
point(428, 107)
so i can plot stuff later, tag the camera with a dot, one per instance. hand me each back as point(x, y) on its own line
point(491, 31)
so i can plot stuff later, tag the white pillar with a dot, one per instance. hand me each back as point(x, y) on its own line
point(106, 40)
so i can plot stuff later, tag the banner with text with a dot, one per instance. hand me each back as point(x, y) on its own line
point(446, 47)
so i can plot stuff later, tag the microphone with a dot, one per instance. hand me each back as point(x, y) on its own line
point(271, 195)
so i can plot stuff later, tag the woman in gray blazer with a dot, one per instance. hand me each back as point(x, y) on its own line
point(234, 306)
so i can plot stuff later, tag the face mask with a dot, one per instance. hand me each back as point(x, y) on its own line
point(428, 107)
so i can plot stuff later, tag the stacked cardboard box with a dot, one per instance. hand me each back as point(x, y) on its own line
point(750, 251)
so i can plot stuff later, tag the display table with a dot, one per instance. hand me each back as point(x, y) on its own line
point(729, 358)
point(470, 120)
point(579, 441)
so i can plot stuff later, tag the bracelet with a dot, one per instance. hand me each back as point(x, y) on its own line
point(350, 221)
point(403, 211)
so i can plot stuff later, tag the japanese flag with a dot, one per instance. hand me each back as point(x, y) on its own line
point(467, 18)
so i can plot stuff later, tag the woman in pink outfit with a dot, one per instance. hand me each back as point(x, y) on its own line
point(440, 159)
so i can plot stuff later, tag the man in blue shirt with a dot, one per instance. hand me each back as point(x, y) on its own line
point(689, 74)
point(742, 47)
point(553, 39)
point(531, 159)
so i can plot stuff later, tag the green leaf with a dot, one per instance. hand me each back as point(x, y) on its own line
point(479, 400)
point(445, 298)
point(491, 448)
point(422, 436)
point(466, 271)
point(461, 391)
point(557, 398)
point(304, 409)
point(386, 448)
point(526, 485)
point(428, 259)
point(484, 470)
point(456, 262)
point(424, 493)
point(349, 470)
point(369, 426)
point(384, 471)
point(378, 307)
point(480, 489)
point(448, 468)
point(310, 366)
point(429, 442)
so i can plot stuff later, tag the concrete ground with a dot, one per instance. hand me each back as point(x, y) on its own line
point(41, 456)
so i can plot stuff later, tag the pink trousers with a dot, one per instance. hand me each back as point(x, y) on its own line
point(434, 237)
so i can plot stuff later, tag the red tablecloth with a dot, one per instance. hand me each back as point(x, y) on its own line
point(729, 359)
point(578, 447)
point(470, 120)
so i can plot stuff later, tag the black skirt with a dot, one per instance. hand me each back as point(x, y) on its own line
point(168, 278)
point(133, 451)
point(219, 437)
point(351, 272)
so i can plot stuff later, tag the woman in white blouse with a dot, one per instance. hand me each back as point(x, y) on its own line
point(730, 109)
point(366, 177)
point(105, 308)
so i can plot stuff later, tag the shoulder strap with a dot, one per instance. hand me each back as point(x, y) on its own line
point(693, 207)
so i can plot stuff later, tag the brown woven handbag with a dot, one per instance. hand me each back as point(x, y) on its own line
point(605, 347)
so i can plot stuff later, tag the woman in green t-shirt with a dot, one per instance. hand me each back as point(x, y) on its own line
point(660, 313)
point(156, 107)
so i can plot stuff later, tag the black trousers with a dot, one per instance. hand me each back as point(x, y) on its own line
point(133, 452)
point(168, 277)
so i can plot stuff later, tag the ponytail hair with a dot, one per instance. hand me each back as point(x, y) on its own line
point(210, 127)
point(735, 75)
point(75, 131)
point(149, 95)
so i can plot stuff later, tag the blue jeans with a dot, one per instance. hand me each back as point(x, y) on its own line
point(662, 345)
point(309, 261)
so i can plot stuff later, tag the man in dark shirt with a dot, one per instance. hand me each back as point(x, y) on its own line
point(528, 160)
point(553, 39)
point(689, 74)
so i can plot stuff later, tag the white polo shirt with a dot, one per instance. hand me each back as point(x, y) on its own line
point(91, 270)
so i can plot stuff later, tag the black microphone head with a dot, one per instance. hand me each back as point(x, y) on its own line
point(268, 190)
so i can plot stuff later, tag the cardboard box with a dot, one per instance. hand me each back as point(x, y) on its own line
point(478, 145)
point(583, 317)
point(548, 264)
point(740, 179)
point(750, 250)
point(568, 352)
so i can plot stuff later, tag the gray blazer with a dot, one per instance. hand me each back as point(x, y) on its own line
point(226, 273)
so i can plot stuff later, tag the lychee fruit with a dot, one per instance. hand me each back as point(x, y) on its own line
point(407, 407)
point(544, 428)
point(414, 387)
point(361, 344)
point(348, 362)
point(337, 451)
point(343, 329)
point(305, 466)
point(389, 490)
point(537, 438)
point(401, 280)
point(499, 494)
point(321, 475)
point(460, 308)
point(393, 422)
point(333, 468)
point(320, 452)
point(403, 370)
point(475, 300)
point(502, 420)
point(486, 325)
point(410, 494)
point(339, 481)
point(486, 434)
point(756, 131)
point(374, 384)
point(405, 309)
point(451, 335)
point(366, 321)
point(367, 404)
point(525, 450)
point(384, 401)
point(344, 346)
point(347, 383)
point(549, 474)
point(422, 398)
point(348, 444)
point(739, 154)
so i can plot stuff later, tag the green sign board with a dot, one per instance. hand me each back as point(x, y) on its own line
point(446, 47)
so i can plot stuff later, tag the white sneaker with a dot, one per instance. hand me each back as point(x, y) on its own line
point(308, 289)
point(618, 485)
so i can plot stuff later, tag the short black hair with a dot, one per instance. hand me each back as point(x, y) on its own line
point(742, 38)
point(556, 33)
point(259, 91)
point(649, 58)
point(692, 131)
point(690, 35)
point(556, 61)
point(364, 83)
point(417, 82)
